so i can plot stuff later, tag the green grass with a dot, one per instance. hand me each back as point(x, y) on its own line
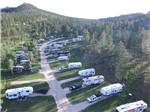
point(105, 105)
point(66, 75)
point(82, 94)
point(36, 85)
point(28, 76)
point(31, 76)
point(58, 64)
point(33, 104)
point(71, 83)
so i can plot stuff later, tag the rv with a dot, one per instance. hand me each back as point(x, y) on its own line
point(87, 72)
point(138, 106)
point(62, 58)
point(18, 92)
point(74, 65)
point(111, 89)
point(93, 80)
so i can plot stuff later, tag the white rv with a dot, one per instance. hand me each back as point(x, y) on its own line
point(138, 106)
point(111, 89)
point(62, 58)
point(18, 92)
point(93, 80)
point(23, 62)
point(87, 72)
point(74, 65)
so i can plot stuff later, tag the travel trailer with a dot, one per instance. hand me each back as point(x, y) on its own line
point(18, 92)
point(87, 72)
point(93, 80)
point(74, 65)
point(111, 89)
point(138, 106)
point(62, 58)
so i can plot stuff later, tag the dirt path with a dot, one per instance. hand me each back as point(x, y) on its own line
point(26, 82)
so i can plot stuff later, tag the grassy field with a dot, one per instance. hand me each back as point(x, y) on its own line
point(71, 83)
point(82, 94)
point(66, 75)
point(58, 64)
point(106, 105)
point(34, 104)
point(36, 86)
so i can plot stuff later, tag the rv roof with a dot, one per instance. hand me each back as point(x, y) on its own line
point(129, 106)
point(93, 77)
point(112, 86)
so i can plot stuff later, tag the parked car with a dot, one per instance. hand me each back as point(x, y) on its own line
point(62, 69)
point(94, 98)
point(75, 87)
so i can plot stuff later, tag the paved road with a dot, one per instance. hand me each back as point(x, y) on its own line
point(59, 94)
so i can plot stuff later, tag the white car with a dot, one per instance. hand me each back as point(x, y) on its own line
point(93, 98)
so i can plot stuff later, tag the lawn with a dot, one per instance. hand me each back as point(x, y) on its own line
point(32, 104)
point(105, 105)
point(82, 94)
point(58, 64)
point(36, 85)
point(66, 75)
point(31, 76)
point(71, 83)
point(28, 76)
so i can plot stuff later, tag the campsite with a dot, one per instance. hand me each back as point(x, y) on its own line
point(56, 63)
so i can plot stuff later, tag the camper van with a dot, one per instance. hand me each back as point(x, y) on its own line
point(74, 65)
point(93, 80)
point(62, 58)
point(111, 89)
point(87, 72)
point(138, 106)
point(18, 92)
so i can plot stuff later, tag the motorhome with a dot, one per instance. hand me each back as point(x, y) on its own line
point(74, 65)
point(93, 80)
point(138, 106)
point(62, 58)
point(111, 89)
point(87, 72)
point(18, 92)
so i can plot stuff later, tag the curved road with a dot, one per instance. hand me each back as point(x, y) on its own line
point(59, 94)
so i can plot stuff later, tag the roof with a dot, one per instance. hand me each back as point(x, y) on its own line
point(89, 69)
point(74, 63)
point(129, 106)
point(15, 90)
point(117, 85)
point(94, 77)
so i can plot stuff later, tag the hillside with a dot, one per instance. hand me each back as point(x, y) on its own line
point(118, 47)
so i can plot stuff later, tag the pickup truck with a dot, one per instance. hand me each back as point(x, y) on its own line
point(94, 98)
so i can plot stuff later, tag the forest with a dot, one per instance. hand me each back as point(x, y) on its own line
point(118, 47)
